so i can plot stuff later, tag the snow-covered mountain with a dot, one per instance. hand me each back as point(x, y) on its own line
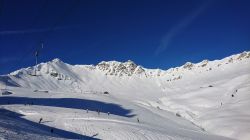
point(61, 74)
point(213, 95)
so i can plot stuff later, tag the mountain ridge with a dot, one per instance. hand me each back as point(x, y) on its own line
point(60, 75)
point(129, 68)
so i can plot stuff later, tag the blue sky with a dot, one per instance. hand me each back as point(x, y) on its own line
point(153, 33)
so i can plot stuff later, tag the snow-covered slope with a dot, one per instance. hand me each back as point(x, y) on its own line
point(212, 95)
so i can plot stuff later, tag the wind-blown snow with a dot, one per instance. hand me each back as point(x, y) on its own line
point(193, 101)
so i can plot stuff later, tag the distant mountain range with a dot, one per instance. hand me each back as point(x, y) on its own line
point(56, 74)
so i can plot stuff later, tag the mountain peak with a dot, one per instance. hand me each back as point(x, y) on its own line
point(130, 62)
point(119, 68)
point(56, 60)
point(245, 54)
point(188, 65)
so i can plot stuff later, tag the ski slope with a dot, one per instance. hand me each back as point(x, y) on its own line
point(207, 100)
point(74, 118)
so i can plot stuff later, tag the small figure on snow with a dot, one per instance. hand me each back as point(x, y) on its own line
point(108, 113)
point(138, 120)
point(40, 120)
point(232, 95)
point(51, 130)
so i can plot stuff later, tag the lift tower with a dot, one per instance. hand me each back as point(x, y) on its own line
point(37, 52)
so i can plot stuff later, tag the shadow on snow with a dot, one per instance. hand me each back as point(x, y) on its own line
point(14, 122)
point(74, 103)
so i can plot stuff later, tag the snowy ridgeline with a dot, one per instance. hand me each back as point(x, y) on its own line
point(77, 76)
point(213, 95)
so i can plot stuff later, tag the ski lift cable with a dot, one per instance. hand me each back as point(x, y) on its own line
point(60, 20)
point(32, 49)
point(29, 51)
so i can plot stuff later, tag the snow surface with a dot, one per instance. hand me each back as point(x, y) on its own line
point(207, 100)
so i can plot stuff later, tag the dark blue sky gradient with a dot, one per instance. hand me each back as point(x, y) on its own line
point(153, 33)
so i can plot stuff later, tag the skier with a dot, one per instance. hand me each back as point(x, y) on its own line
point(40, 120)
point(108, 113)
point(138, 120)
